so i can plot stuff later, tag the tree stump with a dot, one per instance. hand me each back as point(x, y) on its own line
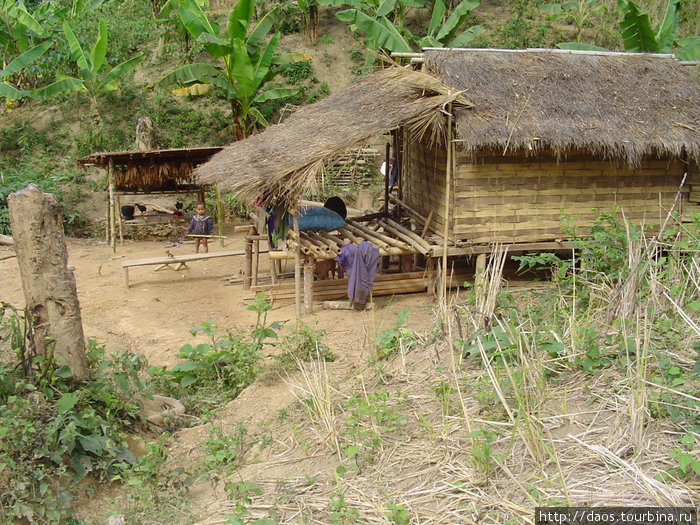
point(49, 286)
point(145, 134)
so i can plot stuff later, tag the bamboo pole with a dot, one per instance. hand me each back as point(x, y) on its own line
point(407, 240)
point(330, 245)
point(347, 233)
point(426, 248)
point(110, 181)
point(220, 220)
point(308, 285)
point(121, 228)
point(385, 239)
point(248, 264)
point(387, 170)
point(427, 224)
point(334, 239)
point(297, 262)
point(448, 180)
point(408, 208)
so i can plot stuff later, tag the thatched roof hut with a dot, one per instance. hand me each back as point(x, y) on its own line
point(617, 105)
point(284, 160)
point(543, 132)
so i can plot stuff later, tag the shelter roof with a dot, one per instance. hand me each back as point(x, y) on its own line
point(162, 156)
point(619, 105)
point(282, 162)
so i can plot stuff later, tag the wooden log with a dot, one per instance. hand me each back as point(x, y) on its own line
point(49, 286)
point(110, 183)
point(6, 240)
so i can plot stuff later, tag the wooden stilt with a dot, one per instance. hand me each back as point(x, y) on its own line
point(309, 285)
point(432, 276)
point(110, 182)
point(126, 276)
point(297, 263)
point(479, 280)
point(219, 215)
point(248, 264)
point(121, 228)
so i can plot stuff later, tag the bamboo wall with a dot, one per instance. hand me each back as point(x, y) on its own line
point(423, 181)
point(522, 199)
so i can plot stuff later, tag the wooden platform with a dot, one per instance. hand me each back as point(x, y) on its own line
point(179, 260)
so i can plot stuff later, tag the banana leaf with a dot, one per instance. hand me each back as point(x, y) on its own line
point(123, 68)
point(65, 85)
point(669, 26)
point(239, 18)
point(10, 92)
point(76, 51)
point(99, 51)
point(637, 34)
point(25, 59)
point(190, 73)
point(274, 94)
point(242, 70)
point(455, 20)
point(689, 48)
point(465, 37)
point(23, 17)
point(381, 32)
point(263, 65)
point(258, 117)
point(436, 18)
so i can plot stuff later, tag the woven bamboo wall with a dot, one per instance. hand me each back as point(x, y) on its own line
point(423, 181)
point(517, 199)
point(512, 200)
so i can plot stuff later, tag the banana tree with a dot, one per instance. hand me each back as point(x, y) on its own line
point(639, 37)
point(579, 10)
point(245, 64)
point(447, 33)
point(7, 90)
point(95, 77)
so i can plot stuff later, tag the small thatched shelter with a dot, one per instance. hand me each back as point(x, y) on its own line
point(156, 172)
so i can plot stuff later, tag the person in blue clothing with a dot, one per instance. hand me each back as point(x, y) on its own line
point(201, 224)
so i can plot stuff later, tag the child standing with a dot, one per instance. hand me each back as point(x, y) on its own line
point(201, 224)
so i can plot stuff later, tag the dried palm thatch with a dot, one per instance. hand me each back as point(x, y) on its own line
point(618, 106)
point(154, 176)
point(283, 161)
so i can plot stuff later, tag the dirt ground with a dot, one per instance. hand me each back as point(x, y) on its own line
point(154, 315)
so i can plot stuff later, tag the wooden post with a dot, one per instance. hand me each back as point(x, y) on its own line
point(479, 280)
point(256, 255)
point(248, 264)
point(432, 276)
point(110, 182)
point(297, 262)
point(448, 181)
point(49, 286)
point(126, 276)
point(309, 264)
point(387, 170)
point(121, 228)
point(219, 216)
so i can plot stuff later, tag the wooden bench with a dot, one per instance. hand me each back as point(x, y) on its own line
point(180, 260)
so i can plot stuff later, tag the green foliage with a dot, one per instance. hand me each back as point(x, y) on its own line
point(579, 11)
point(367, 418)
point(246, 64)
point(54, 431)
point(389, 342)
point(304, 344)
point(298, 71)
point(340, 513)
point(95, 77)
point(224, 453)
point(397, 514)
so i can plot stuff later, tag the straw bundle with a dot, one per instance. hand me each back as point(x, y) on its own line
point(284, 161)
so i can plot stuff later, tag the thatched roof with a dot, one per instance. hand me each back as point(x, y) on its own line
point(160, 156)
point(622, 106)
point(282, 162)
